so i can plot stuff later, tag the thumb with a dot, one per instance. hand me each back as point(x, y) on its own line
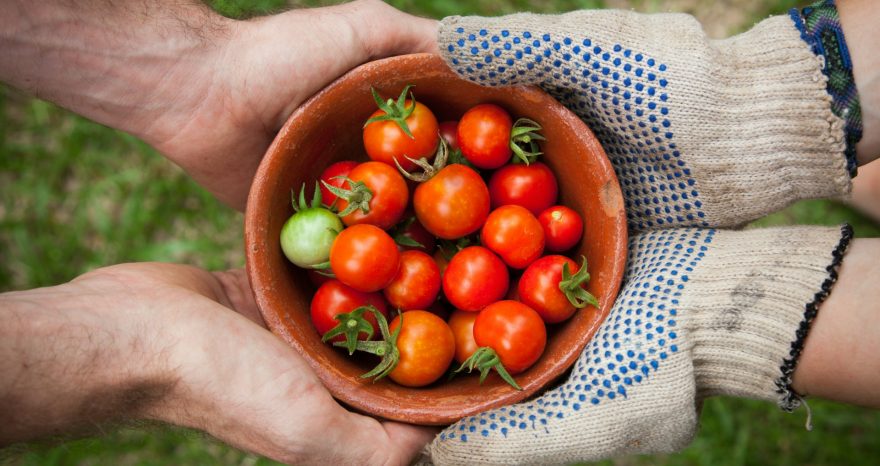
point(406, 34)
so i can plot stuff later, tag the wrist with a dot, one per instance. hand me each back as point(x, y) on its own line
point(752, 306)
point(858, 19)
point(72, 359)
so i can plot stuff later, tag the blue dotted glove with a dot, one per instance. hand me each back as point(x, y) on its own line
point(701, 132)
point(703, 312)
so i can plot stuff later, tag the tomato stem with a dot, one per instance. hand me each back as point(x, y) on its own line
point(358, 195)
point(351, 324)
point(573, 286)
point(428, 169)
point(485, 359)
point(397, 112)
point(524, 139)
point(385, 348)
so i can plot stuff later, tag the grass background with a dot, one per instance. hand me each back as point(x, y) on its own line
point(75, 195)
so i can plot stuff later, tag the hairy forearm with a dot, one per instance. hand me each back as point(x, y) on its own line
point(840, 359)
point(119, 63)
point(67, 365)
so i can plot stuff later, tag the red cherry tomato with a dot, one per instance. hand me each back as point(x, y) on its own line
point(539, 288)
point(332, 175)
point(386, 141)
point(563, 228)
point(426, 346)
point(390, 195)
point(364, 257)
point(484, 136)
point(416, 284)
point(475, 278)
point(449, 133)
point(462, 325)
point(453, 203)
point(514, 234)
point(334, 298)
point(532, 186)
point(515, 331)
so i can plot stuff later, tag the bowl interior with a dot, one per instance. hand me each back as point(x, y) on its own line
point(327, 129)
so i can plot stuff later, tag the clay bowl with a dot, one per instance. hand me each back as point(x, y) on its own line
point(327, 129)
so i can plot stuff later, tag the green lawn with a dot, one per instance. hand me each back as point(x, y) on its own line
point(75, 195)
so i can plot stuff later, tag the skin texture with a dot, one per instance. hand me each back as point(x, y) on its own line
point(208, 92)
point(180, 345)
point(839, 361)
point(164, 342)
point(859, 21)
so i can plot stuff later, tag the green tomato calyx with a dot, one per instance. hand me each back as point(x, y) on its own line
point(358, 195)
point(386, 348)
point(573, 286)
point(428, 169)
point(397, 111)
point(351, 324)
point(300, 203)
point(485, 359)
point(524, 139)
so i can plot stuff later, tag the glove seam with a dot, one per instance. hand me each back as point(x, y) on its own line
point(789, 400)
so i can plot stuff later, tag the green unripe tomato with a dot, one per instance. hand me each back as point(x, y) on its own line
point(307, 235)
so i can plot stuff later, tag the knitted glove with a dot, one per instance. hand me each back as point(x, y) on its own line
point(702, 313)
point(708, 133)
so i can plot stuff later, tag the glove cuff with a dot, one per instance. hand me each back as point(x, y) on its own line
point(752, 304)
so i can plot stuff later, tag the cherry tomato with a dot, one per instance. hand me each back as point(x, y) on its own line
point(416, 284)
point(449, 133)
point(539, 288)
point(563, 228)
point(334, 298)
point(515, 234)
point(532, 186)
point(453, 203)
point(484, 136)
point(426, 346)
point(364, 257)
point(386, 141)
point(332, 175)
point(515, 331)
point(390, 195)
point(475, 278)
point(462, 325)
point(308, 235)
